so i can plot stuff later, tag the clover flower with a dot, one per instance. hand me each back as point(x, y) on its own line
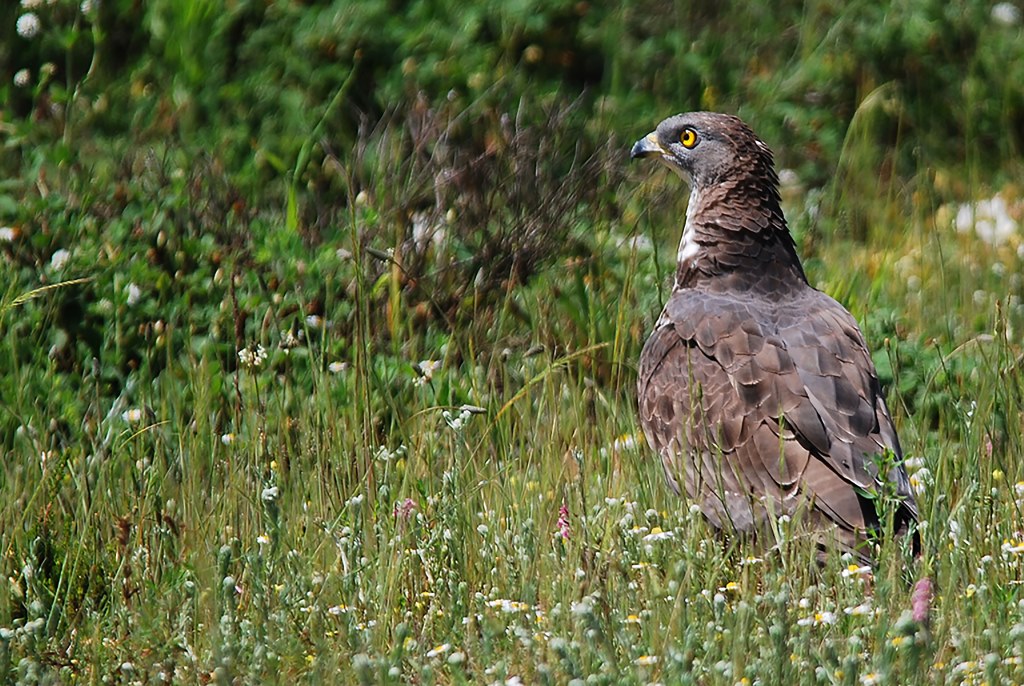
point(28, 25)
point(921, 600)
point(405, 509)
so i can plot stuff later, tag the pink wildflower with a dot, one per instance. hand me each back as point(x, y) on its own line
point(405, 509)
point(563, 522)
point(921, 601)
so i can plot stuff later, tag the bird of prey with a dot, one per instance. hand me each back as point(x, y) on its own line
point(756, 390)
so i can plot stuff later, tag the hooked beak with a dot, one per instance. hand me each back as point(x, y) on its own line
point(646, 146)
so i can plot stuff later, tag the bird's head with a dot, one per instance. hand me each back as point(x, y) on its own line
point(735, 229)
point(707, 148)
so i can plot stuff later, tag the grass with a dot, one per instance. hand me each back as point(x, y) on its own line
point(328, 517)
point(374, 421)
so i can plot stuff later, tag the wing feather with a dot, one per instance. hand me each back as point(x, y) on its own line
point(759, 408)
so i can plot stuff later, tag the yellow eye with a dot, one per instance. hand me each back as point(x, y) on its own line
point(688, 138)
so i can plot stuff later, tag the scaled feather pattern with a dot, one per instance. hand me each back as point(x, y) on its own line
point(756, 390)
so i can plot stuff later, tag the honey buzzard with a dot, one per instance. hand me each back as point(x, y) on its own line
point(756, 390)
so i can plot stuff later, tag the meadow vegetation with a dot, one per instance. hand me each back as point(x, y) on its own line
point(319, 321)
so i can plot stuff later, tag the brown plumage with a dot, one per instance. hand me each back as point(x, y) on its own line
point(756, 390)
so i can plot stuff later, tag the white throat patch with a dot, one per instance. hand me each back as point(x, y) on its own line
point(688, 245)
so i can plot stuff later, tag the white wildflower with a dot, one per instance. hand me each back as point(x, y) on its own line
point(337, 367)
point(270, 494)
point(913, 463)
point(640, 243)
point(425, 232)
point(132, 416)
point(658, 535)
point(1006, 13)
point(990, 219)
point(920, 479)
point(22, 77)
point(134, 293)
point(28, 25)
point(858, 610)
point(289, 340)
point(252, 357)
point(427, 369)
point(857, 571)
point(508, 606)
point(439, 650)
point(457, 422)
point(7, 234)
point(1013, 547)
point(817, 619)
point(954, 532)
point(59, 259)
point(582, 608)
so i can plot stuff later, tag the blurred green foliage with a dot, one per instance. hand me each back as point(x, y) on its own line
point(363, 188)
point(260, 73)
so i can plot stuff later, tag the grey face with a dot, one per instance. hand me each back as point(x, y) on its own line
point(702, 147)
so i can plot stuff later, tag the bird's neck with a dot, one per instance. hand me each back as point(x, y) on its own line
point(735, 237)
